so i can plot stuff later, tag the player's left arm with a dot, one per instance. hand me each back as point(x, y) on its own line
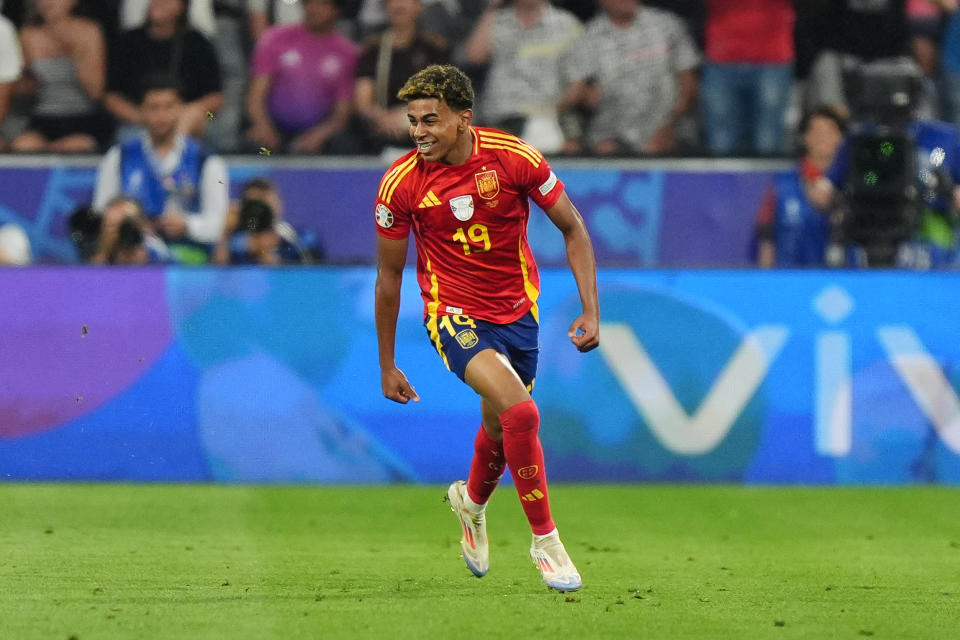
point(584, 332)
point(391, 258)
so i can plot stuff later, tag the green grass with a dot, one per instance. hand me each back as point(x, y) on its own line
point(184, 561)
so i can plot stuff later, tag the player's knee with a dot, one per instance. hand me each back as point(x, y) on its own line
point(521, 417)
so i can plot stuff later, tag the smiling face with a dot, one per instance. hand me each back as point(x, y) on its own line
point(441, 134)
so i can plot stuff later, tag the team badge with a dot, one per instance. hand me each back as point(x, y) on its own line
point(528, 472)
point(384, 216)
point(462, 207)
point(467, 338)
point(487, 184)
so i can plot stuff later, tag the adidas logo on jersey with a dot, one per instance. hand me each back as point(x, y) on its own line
point(429, 200)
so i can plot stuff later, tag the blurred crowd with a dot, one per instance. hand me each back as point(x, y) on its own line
point(606, 77)
point(617, 78)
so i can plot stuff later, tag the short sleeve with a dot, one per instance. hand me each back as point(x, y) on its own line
point(11, 61)
point(683, 53)
point(264, 60)
point(391, 211)
point(534, 176)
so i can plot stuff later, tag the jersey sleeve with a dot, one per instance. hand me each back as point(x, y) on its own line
point(534, 176)
point(391, 211)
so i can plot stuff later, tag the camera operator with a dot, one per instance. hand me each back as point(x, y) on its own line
point(896, 175)
point(257, 233)
point(121, 235)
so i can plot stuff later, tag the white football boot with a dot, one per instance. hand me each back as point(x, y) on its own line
point(473, 544)
point(555, 566)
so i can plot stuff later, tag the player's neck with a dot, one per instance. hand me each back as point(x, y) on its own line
point(462, 151)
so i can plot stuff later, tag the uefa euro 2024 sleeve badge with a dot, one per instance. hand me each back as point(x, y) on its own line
point(384, 216)
point(462, 207)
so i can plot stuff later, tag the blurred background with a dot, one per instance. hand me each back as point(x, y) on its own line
point(186, 194)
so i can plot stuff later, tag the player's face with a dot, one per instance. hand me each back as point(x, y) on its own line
point(438, 131)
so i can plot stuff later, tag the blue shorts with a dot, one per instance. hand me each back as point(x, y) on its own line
point(458, 338)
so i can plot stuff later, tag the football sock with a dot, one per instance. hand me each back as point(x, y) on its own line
point(524, 454)
point(486, 469)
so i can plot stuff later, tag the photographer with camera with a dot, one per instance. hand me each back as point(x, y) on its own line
point(120, 235)
point(182, 187)
point(896, 177)
point(256, 232)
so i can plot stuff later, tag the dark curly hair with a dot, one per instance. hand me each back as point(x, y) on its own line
point(444, 82)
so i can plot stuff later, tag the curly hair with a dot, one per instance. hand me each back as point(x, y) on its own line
point(443, 82)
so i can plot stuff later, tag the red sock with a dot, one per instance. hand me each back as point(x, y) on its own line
point(487, 467)
point(521, 446)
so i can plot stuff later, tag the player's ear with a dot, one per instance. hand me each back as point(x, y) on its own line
point(466, 117)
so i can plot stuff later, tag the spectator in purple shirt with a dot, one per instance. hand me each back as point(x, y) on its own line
point(301, 87)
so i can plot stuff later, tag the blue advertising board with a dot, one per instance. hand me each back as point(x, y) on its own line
point(259, 375)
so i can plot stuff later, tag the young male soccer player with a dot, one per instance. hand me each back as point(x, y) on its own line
point(463, 191)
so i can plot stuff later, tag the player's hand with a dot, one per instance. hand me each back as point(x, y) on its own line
point(396, 387)
point(585, 333)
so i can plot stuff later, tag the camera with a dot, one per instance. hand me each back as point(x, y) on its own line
point(885, 190)
point(255, 216)
point(84, 224)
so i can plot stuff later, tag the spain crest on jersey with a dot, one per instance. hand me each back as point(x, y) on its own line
point(488, 186)
point(462, 207)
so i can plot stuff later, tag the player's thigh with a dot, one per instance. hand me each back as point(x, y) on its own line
point(491, 375)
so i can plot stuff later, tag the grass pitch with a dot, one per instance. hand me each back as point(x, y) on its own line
point(183, 561)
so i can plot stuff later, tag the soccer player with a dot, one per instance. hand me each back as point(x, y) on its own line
point(463, 192)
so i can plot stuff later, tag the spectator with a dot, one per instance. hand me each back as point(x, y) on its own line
point(126, 237)
point(183, 189)
point(14, 246)
point(11, 66)
point(791, 232)
point(747, 75)
point(384, 66)
point(634, 68)
point(925, 22)
point(301, 90)
point(523, 44)
point(165, 44)
point(264, 13)
point(256, 232)
point(859, 32)
point(66, 59)
point(200, 15)
point(231, 42)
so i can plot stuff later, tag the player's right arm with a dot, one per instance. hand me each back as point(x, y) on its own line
point(391, 258)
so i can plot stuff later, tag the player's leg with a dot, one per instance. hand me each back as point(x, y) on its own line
point(488, 459)
point(491, 375)
point(469, 499)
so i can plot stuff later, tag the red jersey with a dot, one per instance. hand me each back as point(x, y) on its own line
point(469, 225)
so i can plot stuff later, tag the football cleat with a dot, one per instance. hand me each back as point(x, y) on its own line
point(473, 544)
point(555, 566)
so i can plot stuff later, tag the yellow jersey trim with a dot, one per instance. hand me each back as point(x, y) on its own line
point(529, 288)
point(393, 179)
point(432, 315)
